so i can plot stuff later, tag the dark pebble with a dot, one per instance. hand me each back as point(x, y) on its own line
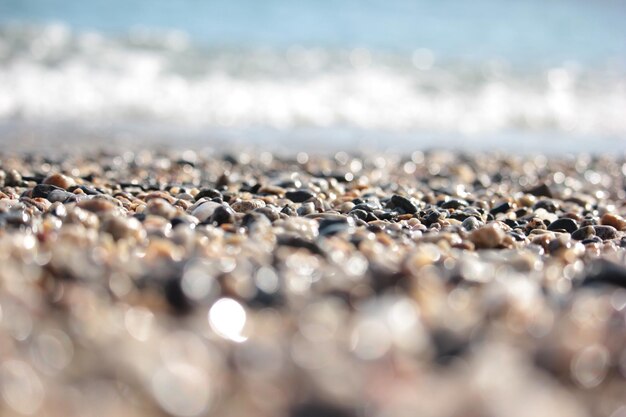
point(208, 193)
point(298, 242)
point(548, 205)
point(542, 190)
point(605, 272)
point(583, 233)
point(359, 214)
point(299, 196)
point(222, 215)
point(502, 208)
point(329, 227)
point(564, 223)
point(404, 204)
point(454, 203)
point(605, 232)
point(43, 190)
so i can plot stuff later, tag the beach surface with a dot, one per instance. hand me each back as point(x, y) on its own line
point(235, 283)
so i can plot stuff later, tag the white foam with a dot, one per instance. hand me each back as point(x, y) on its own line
point(50, 74)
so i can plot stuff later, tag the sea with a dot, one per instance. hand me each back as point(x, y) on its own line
point(533, 75)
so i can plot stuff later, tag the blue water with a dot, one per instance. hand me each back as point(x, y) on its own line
point(482, 68)
point(539, 31)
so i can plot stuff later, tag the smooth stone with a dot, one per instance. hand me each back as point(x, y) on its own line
point(404, 203)
point(541, 190)
point(583, 233)
point(208, 193)
point(502, 208)
point(61, 196)
point(548, 205)
point(471, 223)
point(43, 190)
point(433, 217)
point(221, 215)
point(12, 178)
point(606, 232)
point(487, 237)
point(59, 180)
point(603, 271)
point(123, 227)
point(270, 212)
point(564, 223)
point(329, 227)
point(614, 220)
point(299, 196)
point(454, 203)
point(99, 205)
point(203, 211)
point(247, 205)
point(306, 209)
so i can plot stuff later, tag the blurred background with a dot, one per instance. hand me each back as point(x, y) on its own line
point(535, 74)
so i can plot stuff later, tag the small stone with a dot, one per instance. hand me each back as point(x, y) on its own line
point(471, 223)
point(247, 205)
point(61, 196)
point(208, 193)
point(59, 180)
point(501, 208)
point(614, 220)
point(583, 233)
point(404, 203)
point(299, 196)
point(330, 226)
point(98, 205)
point(490, 236)
point(605, 272)
point(541, 190)
point(123, 227)
point(204, 210)
point(454, 203)
point(221, 215)
point(606, 232)
point(564, 223)
point(43, 190)
point(12, 178)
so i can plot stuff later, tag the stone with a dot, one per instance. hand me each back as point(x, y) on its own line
point(583, 233)
point(404, 203)
point(487, 237)
point(605, 232)
point(59, 180)
point(564, 223)
point(299, 196)
point(613, 220)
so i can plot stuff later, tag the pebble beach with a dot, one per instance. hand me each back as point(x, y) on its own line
point(437, 283)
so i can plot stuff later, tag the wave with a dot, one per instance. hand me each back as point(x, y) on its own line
point(50, 73)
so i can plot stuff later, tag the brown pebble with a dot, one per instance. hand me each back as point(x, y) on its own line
point(59, 180)
point(488, 237)
point(614, 220)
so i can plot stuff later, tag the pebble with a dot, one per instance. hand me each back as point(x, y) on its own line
point(564, 223)
point(487, 237)
point(204, 210)
point(613, 220)
point(404, 203)
point(299, 196)
point(605, 232)
point(59, 180)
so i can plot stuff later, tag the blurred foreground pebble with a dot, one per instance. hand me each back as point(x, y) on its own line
point(189, 284)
